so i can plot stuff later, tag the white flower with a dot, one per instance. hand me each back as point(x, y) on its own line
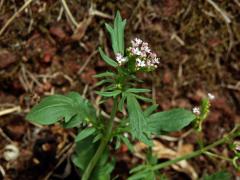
point(211, 96)
point(136, 51)
point(140, 63)
point(196, 110)
point(120, 59)
point(238, 147)
point(153, 55)
point(136, 42)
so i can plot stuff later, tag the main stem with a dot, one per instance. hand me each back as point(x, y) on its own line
point(104, 141)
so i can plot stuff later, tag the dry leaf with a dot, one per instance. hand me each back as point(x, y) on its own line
point(162, 152)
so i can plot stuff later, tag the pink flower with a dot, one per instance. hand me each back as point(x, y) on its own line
point(145, 58)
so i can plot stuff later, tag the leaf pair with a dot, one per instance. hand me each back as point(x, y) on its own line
point(143, 124)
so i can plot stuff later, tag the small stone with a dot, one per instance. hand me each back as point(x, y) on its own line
point(11, 152)
point(6, 58)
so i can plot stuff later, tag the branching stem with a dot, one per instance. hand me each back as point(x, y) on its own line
point(233, 134)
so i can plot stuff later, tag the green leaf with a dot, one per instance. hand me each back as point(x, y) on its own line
point(138, 90)
point(223, 175)
point(84, 108)
point(118, 142)
point(107, 59)
point(172, 120)
point(75, 121)
point(119, 26)
point(113, 38)
point(117, 34)
point(105, 74)
point(143, 98)
point(104, 81)
point(138, 122)
point(97, 137)
point(56, 107)
point(150, 110)
point(84, 152)
point(85, 133)
point(104, 168)
point(143, 174)
point(138, 168)
point(128, 143)
point(121, 102)
point(108, 94)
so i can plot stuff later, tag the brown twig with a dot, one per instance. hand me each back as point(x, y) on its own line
point(87, 61)
point(10, 110)
point(14, 16)
point(68, 151)
point(69, 14)
point(223, 13)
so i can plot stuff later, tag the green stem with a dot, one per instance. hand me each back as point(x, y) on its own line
point(196, 153)
point(103, 143)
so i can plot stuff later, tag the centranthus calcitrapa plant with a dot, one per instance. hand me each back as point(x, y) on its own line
point(97, 134)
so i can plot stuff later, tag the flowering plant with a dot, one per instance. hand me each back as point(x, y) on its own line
point(97, 132)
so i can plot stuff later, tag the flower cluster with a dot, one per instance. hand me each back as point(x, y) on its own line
point(144, 57)
point(120, 59)
point(196, 110)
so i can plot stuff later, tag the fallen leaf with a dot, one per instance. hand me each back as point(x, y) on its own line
point(162, 152)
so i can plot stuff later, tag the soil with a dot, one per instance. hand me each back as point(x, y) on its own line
point(42, 52)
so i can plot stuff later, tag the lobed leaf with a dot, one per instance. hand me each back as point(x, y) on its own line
point(56, 107)
point(138, 122)
point(117, 34)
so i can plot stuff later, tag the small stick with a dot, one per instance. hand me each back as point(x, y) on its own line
point(60, 14)
point(94, 12)
point(87, 61)
point(5, 136)
point(237, 2)
point(69, 14)
point(63, 157)
point(1, 3)
point(10, 110)
point(224, 15)
point(14, 16)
